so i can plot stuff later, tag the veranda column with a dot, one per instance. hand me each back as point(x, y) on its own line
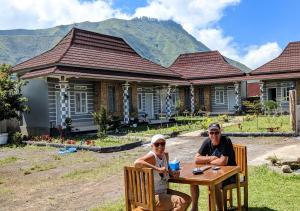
point(126, 102)
point(192, 99)
point(261, 89)
point(64, 105)
point(237, 95)
point(168, 103)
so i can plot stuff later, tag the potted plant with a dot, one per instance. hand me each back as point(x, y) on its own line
point(12, 103)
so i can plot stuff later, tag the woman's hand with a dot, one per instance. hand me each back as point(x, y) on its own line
point(174, 174)
point(162, 170)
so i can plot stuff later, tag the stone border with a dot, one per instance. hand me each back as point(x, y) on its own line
point(260, 134)
point(90, 148)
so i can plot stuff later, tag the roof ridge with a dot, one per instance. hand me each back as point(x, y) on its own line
point(70, 44)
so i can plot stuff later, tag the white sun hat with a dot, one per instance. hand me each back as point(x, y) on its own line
point(157, 137)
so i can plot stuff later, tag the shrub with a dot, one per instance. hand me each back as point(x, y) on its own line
point(101, 120)
point(223, 118)
point(206, 121)
point(15, 138)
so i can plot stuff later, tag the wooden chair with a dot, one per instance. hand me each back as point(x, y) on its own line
point(241, 160)
point(139, 189)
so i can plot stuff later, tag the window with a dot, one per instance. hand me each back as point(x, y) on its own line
point(173, 99)
point(111, 99)
point(80, 102)
point(140, 104)
point(219, 97)
point(284, 94)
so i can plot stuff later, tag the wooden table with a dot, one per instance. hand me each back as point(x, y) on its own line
point(209, 178)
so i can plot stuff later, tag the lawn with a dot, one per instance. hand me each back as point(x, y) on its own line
point(267, 191)
point(279, 123)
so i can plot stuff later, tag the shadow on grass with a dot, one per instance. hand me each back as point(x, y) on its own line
point(260, 209)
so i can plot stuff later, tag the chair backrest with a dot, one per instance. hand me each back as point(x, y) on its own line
point(241, 158)
point(139, 188)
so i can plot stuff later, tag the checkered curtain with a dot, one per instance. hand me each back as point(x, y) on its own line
point(192, 99)
point(63, 104)
point(126, 102)
point(168, 103)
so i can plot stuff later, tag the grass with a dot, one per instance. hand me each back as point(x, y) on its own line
point(264, 122)
point(8, 160)
point(38, 168)
point(268, 190)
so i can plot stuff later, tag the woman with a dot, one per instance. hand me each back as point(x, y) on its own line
point(157, 159)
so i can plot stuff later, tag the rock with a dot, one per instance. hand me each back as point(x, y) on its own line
point(298, 159)
point(297, 171)
point(286, 169)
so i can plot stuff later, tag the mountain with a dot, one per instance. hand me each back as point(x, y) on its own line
point(158, 41)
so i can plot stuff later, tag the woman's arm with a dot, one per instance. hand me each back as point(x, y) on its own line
point(200, 159)
point(148, 161)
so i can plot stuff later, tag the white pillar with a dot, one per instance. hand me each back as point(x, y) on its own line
point(64, 105)
point(237, 96)
point(126, 102)
point(261, 89)
point(168, 103)
point(192, 99)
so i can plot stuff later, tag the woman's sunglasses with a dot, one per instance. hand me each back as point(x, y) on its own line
point(161, 144)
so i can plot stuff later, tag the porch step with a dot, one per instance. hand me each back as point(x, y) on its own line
point(84, 128)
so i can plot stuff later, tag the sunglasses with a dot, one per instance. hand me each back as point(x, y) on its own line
point(214, 133)
point(162, 144)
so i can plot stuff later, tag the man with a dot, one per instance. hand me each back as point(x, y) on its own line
point(157, 159)
point(215, 150)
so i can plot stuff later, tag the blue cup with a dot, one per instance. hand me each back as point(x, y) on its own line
point(174, 165)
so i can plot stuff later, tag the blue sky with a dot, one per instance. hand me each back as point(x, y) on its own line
point(250, 31)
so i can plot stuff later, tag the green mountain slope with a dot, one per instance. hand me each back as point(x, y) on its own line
point(158, 41)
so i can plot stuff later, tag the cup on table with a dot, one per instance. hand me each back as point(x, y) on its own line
point(174, 165)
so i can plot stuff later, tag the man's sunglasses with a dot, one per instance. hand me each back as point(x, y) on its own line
point(214, 133)
point(161, 144)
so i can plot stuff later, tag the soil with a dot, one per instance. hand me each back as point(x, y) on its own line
point(48, 189)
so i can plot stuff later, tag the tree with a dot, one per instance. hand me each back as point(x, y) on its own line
point(12, 103)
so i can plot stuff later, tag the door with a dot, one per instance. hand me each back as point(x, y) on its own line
point(272, 94)
point(149, 104)
point(231, 100)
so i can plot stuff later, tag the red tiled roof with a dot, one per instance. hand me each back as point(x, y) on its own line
point(203, 65)
point(282, 75)
point(220, 80)
point(91, 74)
point(80, 48)
point(287, 61)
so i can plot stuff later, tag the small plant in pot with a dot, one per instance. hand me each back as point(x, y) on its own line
point(12, 103)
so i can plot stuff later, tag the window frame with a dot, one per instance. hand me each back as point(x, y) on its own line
point(140, 101)
point(287, 99)
point(81, 98)
point(218, 101)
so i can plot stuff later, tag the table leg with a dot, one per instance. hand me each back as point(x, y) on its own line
point(238, 191)
point(212, 198)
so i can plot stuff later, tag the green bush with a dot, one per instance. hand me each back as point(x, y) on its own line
point(101, 120)
point(223, 118)
point(206, 121)
point(15, 138)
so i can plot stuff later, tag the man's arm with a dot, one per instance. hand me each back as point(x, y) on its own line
point(221, 161)
point(200, 159)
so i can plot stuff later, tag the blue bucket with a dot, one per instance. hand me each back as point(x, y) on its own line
point(174, 165)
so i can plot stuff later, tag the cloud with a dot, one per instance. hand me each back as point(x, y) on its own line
point(31, 14)
point(252, 56)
